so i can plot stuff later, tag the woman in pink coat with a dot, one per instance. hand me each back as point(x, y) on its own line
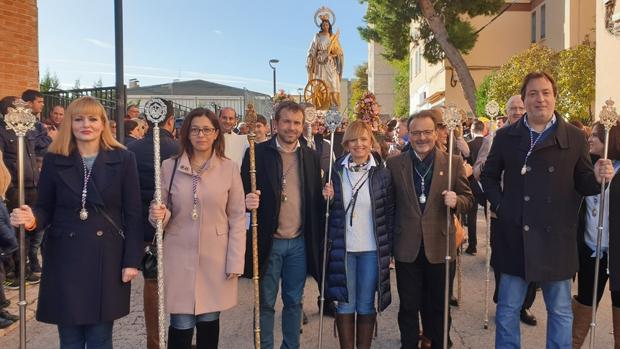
point(203, 212)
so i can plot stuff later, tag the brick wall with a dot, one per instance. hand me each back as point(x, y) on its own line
point(19, 46)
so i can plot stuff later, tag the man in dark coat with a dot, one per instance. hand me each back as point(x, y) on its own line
point(291, 221)
point(477, 132)
point(545, 167)
point(143, 149)
point(420, 180)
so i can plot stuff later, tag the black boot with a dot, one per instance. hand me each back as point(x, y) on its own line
point(180, 339)
point(207, 334)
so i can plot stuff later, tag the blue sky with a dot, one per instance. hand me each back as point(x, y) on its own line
point(228, 42)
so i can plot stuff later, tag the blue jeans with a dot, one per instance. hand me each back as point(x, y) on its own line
point(361, 283)
point(98, 336)
point(557, 296)
point(287, 261)
point(187, 321)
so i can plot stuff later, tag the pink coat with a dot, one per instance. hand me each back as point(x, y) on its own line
point(199, 253)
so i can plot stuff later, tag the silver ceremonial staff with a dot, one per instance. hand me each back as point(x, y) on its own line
point(492, 110)
point(155, 111)
point(332, 120)
point(452, 119)
point(608, 118)
point(21, 120)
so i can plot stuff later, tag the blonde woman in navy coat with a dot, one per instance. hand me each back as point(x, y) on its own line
point(89, 205)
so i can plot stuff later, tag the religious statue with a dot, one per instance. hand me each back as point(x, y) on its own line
point(324, 64)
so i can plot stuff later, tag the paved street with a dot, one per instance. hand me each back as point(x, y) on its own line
point(236, 324)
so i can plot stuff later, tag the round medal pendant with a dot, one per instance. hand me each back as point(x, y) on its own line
point(194, 214)
point(83, 214)
point(523, 170)
point(422, 199)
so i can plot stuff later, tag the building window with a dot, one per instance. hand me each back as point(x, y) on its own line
point(543, 21)
point(418, 62)
point(533, 35)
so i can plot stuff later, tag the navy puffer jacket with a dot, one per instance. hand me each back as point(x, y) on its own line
point(382, 198)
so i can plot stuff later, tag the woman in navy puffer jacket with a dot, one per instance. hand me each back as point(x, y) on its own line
point(360, 237)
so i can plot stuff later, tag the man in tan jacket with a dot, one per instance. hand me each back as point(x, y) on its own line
point(420, 178)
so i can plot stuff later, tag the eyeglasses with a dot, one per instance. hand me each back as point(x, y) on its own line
point(418, 134)
point(196, 131)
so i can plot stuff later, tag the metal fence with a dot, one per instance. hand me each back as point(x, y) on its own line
point(105, 95)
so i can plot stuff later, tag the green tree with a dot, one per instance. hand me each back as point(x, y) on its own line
point(401, 87)
point(444, 30)
point(506, 81)
point(98, 83)
point(482, 95)
point(575, 78)
point(359, 85)
point(573, 70)
point(49, 82)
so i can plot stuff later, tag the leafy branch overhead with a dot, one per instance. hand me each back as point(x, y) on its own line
point(389, 23)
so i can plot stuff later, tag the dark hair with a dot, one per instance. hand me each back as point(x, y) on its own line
point(478, 126)
point(290, 106)
point(421, 115)
point(186, 144)
point(30, 95)
point(132, 106)
point(130, 125)
point(260, 118)
point(169, 113)
point(391, 125)
point(5, 103)
point(538, 75)
point(577, 124)
point(330, 26)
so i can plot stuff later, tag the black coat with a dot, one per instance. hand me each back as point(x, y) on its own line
point(143, 149)
point(614, 231)
point(537, 213)
point(382, 198)
point(269, 182)
point(83, 260)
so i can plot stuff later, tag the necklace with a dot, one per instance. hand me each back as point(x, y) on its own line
point(355, 189)
point(87, 173)
point(422, 197)
point(283, 197)
point(195, 178)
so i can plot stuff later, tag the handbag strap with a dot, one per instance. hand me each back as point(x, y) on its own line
point(174, 172)
point(111, 221)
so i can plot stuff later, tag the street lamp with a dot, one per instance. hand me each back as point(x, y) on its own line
point(300, 90)
point(272, 63)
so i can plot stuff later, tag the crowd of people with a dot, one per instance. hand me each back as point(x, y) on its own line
point(89, 206)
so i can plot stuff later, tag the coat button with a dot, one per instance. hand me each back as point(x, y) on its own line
point(548, 229)
point(99, 233)
point(551, 169)
point(526, 228)
point(71, 234)
point(528, 169)
point(526, 198)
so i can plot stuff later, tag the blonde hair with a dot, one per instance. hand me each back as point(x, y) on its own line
point(355, 130)
point(64, 143)
point(5, 177)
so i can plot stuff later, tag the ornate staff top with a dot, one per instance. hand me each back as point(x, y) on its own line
point(310, 114)
point(452, 117)
point(608, 116)
point(333, 119)
point(250, 117)
point(20, 118)
point(492, 109)
point(155, 110)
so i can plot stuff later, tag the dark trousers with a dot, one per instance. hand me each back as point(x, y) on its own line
point(420, 284)
point(472, 219)
point(530, 295)
point(585, 278)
